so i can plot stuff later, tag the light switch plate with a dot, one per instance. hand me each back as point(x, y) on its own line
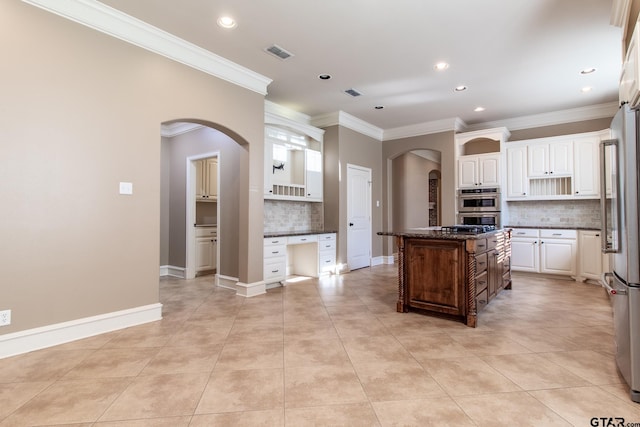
point(126, 188)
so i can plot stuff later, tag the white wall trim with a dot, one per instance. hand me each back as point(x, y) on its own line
point(573, 115)
point(108, 20)
point(178, 128)
point(60, 333)
point(172, 270)
point(251, 289)
point(226, 282)
point(451, 124)
point(383, 259)
point(350, 122)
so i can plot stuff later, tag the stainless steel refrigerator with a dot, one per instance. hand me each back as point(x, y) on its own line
point(619, 181)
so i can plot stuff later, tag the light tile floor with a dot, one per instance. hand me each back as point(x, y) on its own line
point(332, 352)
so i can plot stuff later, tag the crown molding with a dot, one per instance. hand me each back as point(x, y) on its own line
point(620, 10)
point(591, 112)
point(178, 128)
point(279, 110)
point(107, 20)
point(350, 122)
point(454, 124)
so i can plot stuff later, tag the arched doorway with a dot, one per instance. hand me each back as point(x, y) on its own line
point(184, 143)
point(414, 204)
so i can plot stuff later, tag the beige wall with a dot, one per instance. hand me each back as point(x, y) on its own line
point(343, 146)
point(205, 140)
point(442, 142)
point(562, 129)
point(411, 191)
point(81, 111)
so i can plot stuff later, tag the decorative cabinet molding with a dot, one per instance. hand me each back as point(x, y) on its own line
point(479, 170)
point(293, 168)
point(563, 167)
point(207, 180)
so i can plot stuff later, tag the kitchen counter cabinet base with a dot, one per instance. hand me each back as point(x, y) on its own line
point(441, 276)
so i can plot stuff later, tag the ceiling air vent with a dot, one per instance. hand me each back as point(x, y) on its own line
point(352, 92)
point(279, 52)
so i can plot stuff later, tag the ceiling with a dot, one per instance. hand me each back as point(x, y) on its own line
point(517, 58)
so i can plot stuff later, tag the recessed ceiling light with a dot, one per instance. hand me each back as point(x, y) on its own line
point(379, 107)
point(324, 76)
point(441, 66)
point(586, 89)
point(227, 22)
point(588, 71)
point(460, 88)
point(478, 109)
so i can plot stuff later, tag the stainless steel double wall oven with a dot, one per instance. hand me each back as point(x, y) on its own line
point(479, 206)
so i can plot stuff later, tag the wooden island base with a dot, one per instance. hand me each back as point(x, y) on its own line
point(452, 274)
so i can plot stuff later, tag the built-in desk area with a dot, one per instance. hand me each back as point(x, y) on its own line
point(309, 254)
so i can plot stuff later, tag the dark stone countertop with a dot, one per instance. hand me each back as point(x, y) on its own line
point(296, 233)
point(553, 227)
point(438, 234)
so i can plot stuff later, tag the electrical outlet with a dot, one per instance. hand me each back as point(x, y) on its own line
point(5, 317)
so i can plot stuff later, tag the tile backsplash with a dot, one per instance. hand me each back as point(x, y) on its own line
point(555, 213)
point(283, 215)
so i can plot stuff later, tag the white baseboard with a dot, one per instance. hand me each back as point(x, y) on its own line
point(251, 289)
point(226, 282)
point(379, 260)
point(61, 333)
point(173, 271)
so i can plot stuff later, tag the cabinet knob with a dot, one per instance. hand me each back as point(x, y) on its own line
point(546, 173)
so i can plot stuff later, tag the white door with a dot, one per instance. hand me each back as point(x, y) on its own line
point(558, 256)
point(525, 254)
point(358, 217)
point(468, 172)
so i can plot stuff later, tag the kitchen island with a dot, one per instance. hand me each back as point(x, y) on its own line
point(453, 274)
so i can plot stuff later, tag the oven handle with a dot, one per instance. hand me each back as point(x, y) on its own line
point(610, 290)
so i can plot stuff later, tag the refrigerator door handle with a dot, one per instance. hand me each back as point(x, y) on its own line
point(609, 288)
point(605, 245)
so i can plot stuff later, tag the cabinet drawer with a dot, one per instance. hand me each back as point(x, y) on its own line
point(295, 240)
point(482, 300)
point(327, 246)
point(272, 251)
point(524, 232)
point(274, 268)
point(492, 242)
point(268, 241)
point(482, 281)
point(206, 231)
point(326, 263)
point(481, 245)
point(327, 236)
point(481, 263)
point(559, 234)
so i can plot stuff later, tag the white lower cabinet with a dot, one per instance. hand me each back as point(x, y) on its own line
point(306, 255)
point(591, 257)
point(326, 253)
point(275, 259)
point(206, 248)
point(525, 255)
point(544, 251)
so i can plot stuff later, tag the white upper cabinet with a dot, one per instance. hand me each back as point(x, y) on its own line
point(207, 179)
point(563, 167)
point(587, 166)
point(554, 159)
point(517, 182)
point(293, 165)
point(479, 170)
point(313, 174)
